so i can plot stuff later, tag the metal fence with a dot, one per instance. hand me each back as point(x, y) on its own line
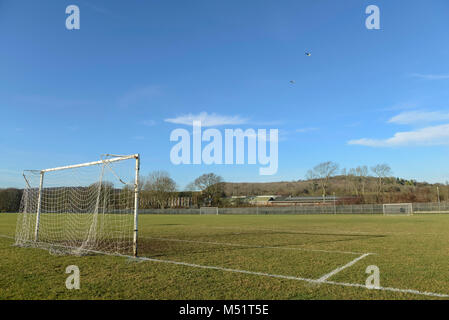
point(319, 209)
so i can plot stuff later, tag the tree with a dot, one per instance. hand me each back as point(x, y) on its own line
point(191, 187)
point(10, 199)
point(323, 172)
point(160, 186)
point(358, 176)
point(311, 177)
point(381, 171)
point(106, 189)
point(211, 186)
point(345, 174)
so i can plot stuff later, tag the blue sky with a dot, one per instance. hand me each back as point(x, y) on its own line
point(363, 97)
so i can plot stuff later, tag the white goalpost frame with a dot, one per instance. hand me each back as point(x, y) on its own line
point(115, 159)
point(407, 206)
point(39, 204)
point(136, 204)
point(215, 209)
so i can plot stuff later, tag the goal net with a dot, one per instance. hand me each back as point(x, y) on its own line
point(81, 208)
point(209, 210)
point(398, 209)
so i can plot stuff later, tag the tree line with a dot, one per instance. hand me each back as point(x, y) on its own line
point(10, 199)
point(357, 177)
point(361, 184)
point(158, 188)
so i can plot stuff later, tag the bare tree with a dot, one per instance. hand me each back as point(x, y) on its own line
point(358, 177)
point(142, 182)
point(345, 174)
point(381, 171)
point(323, 172)
point(160, 187)
point(211, 186)
point(191, 187)
point(310, 175)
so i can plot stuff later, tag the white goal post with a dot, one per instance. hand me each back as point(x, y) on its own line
point(82, 208)
point(209, 210)
point(393, 209)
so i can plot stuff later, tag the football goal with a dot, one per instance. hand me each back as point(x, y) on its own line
point(209, 210)
point(405, 209)
point(82, 208)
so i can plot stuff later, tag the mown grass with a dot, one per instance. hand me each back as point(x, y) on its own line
point(411, 252)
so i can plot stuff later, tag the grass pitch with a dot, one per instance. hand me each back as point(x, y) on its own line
point(246, 257)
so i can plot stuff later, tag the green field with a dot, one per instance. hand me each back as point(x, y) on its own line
point(246, 257)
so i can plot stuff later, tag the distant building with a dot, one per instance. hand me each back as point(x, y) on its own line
point(261, 200)
point(302, 201)
point(273, 200)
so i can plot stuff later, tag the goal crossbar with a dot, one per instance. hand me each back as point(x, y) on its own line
point(87, 164)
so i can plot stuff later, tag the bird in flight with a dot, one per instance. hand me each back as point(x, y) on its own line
point(308, 54)
point(292, 81)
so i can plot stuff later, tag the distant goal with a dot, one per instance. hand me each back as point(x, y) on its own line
point(398, 209)
point(209, 210)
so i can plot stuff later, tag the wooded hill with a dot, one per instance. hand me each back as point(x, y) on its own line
point(352, 189)
point(360, 189)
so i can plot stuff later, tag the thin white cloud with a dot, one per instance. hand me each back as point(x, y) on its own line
point(207, 120)
point(430, 76)
point(411, 117)
point(429, 136)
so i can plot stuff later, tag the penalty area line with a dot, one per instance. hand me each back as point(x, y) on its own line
point(334, 272)
point(316, 281)
point(344, 284)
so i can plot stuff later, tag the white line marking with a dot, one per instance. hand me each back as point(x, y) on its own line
point(423, 293)
point(5, 236)
point(252, 246)
point(334, 272)
point(356, 285)
point(412, 291)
